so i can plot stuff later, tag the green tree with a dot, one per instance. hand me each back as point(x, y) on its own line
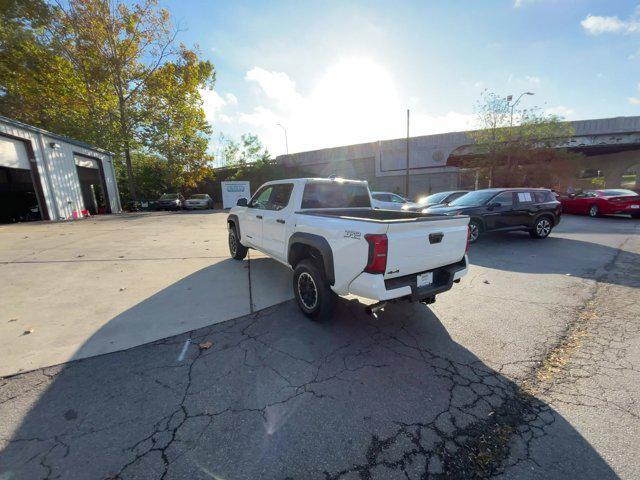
point(37, 85)
point(111, 74)
point(248, 151)
point(151, 172)
point(175, 125)
point(118, 45)
point(513, 145)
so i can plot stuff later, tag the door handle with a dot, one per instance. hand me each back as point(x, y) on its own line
point(436, 237)
point(280, 220)
point(259, 216)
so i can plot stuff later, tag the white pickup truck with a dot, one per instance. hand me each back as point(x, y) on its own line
point(337, 244)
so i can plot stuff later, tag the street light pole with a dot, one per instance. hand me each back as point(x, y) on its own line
point(406, 180)
point(513, 106)
point(286, 142)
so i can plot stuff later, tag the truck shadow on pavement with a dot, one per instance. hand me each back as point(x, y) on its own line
point(274, 395)
point(517, 252)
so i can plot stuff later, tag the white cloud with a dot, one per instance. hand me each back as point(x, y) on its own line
point(522, 3)
point(533, 80)
point(596, 24)
point(213, 105)
point(634, 100)
point(355, 100)
point(276, 85)
point(560, 110)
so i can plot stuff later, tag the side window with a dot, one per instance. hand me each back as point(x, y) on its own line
point(505, 199)
point(396, 199)
point(378, 196)
point(261, 198)
point(525, 198)
point(542, 196)
point(453, 196)
point(280, 196)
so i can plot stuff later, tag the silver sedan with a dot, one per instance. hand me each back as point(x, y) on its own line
point(199, 200)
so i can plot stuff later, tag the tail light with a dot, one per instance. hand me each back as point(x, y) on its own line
point(378, 246)
point(468, 238)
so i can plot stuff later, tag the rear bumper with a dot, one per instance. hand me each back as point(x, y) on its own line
point(628, 211)
point(375, 287)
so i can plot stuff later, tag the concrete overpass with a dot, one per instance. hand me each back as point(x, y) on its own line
point(611, 146)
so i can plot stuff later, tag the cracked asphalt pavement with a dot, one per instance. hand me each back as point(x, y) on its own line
point(528, 369)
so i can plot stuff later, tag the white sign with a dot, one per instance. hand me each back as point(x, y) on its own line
point(233, 191)
point(524, 197)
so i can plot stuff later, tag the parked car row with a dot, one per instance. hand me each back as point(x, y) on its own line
point(515, 209)
point(175, 201)
point(499, 209)
point(535, 210)
point(393, 201)
point(602, 202)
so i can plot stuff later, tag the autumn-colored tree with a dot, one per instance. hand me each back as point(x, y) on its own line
point(38, 86)
point(520, 147)
point(110, 73)
point(175, 125)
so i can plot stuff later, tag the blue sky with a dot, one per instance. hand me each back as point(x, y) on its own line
point(336, 73)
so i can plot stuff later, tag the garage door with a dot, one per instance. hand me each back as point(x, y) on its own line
point(13, 154)
point(18, 200)
point(92, 185)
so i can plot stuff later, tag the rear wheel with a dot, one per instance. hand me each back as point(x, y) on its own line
point(311, 289)
point(594, 211)
point(541, 228)
point(474, 231)
point(236, 249)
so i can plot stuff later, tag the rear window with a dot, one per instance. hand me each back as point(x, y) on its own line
point(543, 196)
point(619, 193)
point(336, 195)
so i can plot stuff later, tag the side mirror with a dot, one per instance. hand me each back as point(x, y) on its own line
point(242, 202)
point(493, 205)
point(572, 195)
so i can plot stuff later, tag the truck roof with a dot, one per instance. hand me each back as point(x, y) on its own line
point(316, 180)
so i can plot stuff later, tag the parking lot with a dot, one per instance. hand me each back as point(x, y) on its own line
point(527, 369)
point(115, 282)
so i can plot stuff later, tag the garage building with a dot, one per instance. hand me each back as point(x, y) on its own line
point(45, 176)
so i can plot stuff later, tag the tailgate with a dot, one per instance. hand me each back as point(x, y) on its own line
point(414, 246)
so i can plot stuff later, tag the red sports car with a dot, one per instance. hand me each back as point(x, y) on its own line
point(603, 202)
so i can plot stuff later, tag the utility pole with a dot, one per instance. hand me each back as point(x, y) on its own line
point(406, 180)
point(512, 106)
point(286, 141)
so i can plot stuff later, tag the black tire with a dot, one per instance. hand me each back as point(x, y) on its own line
point(541, 228)
point(311, 289)
point(475, 229)
point(594, 211)
point(236, 249)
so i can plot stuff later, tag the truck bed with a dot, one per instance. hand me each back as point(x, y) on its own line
point(376, 215)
